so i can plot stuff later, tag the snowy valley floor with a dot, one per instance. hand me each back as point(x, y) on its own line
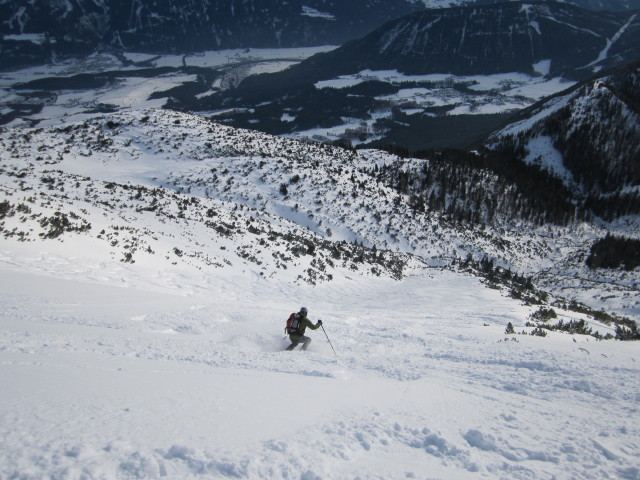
point(101, 381)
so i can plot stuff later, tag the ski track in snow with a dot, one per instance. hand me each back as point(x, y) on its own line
point(109, 382)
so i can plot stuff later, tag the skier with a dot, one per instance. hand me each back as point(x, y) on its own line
point(299, 325)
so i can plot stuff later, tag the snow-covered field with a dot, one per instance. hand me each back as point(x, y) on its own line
point(102, 381)
point(462, 95)
point(134, 91)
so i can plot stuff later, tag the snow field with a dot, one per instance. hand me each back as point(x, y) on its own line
point(141, 382)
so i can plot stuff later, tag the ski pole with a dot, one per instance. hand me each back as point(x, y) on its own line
point(325, 334)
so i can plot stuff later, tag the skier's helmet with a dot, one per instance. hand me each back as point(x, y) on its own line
point(303, 310)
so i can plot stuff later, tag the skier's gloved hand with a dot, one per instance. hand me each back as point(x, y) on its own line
point(319, 322)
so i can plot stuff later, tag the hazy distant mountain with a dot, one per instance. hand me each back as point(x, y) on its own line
point(35, 31)
point(606, 5)
point(507, 37)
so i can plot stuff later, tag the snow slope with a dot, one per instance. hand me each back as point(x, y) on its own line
point(152, 183)
point(102, 381)
point(148, 261)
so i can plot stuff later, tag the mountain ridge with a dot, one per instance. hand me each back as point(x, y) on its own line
point(36, 31)
point(593, 127)
point(401, 44)
point(181, 26)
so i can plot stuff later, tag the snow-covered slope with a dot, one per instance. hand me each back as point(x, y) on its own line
point(149, 186)
point(122, 178)
point(149, 258)
point(101, 381)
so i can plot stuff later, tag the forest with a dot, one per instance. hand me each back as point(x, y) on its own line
point(481, 187)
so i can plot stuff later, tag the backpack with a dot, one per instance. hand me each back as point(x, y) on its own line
point(293, 322)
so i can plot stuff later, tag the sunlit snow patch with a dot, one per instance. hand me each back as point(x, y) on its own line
point(543, 153)
point(37, 38)
point(312, 12)
point(543, 67)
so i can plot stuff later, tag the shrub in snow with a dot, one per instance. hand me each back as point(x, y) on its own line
point(60, 223)
point(543, 314)
point(624, 333)
point(538, 332)
point(5, 208)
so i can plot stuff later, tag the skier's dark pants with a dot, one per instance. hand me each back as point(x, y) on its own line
point(297, 339)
